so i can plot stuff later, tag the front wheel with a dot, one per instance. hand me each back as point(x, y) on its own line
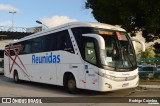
point(71, 85)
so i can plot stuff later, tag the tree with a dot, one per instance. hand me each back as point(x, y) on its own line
point(133, 15)
point(149, 53)
point(157, 49)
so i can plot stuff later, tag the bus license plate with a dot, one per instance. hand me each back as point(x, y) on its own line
point(125, 85)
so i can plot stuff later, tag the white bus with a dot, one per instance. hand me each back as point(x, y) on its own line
point(91, 56)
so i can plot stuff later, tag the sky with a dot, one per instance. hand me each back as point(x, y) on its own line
point(50, 12)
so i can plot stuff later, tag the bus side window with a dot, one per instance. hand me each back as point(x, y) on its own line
point(49, 42)
point(77, 32)
point(90, 55)
point(64, 41)
point(37, 45)
point(26, 47)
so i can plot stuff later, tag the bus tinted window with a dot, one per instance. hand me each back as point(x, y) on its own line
point(26, 47)
point(77, 32)
point(37, 45)
point(49, 42)
point(64, 41)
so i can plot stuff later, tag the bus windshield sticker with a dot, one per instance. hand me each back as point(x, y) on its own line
point(118, 36)
point(126, 63)
point(86, 66)
point(109, 59)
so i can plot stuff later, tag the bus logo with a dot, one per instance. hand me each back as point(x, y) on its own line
point(47, 58)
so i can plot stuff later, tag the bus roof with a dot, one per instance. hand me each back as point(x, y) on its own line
point(72, 25)
point(95, 24)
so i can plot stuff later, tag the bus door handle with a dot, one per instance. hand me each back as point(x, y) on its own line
point(74, 66)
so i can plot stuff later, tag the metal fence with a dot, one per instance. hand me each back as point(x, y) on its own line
point(21, 29)
point(14, 29)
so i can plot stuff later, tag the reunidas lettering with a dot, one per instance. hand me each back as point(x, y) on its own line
point(48, 58)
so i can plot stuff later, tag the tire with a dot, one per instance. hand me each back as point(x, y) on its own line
point(16, 78)
point(71, 85)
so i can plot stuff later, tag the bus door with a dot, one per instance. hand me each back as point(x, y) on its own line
point(90, 65)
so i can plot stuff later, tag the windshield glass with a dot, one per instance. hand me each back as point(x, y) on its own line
point(119, 52)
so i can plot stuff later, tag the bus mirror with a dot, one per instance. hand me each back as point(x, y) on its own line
point(139, 41)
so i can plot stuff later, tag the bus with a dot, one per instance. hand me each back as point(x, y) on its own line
point(1, 61)
point(76, 55)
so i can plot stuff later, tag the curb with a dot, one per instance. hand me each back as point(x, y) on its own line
point(150, 86)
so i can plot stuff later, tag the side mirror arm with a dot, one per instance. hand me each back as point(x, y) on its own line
point(139, 41)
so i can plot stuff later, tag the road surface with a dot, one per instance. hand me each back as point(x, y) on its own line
point(30, 89)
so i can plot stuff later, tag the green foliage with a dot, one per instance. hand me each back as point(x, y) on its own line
point(157, 55)
point(149, 53)
point(133, 15)
point(157, 49)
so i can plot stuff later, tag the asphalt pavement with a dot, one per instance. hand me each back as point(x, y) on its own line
point(149, 83)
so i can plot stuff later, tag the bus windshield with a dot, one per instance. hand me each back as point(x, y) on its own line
point(118, 55)
point(119, 52)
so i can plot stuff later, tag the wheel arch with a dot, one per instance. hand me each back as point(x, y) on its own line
point(66, 75)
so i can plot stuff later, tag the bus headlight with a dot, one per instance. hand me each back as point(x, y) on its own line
point(127, 78)
point(106, 76)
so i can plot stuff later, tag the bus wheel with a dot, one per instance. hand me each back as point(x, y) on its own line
point(16, 78)
point(71, 85)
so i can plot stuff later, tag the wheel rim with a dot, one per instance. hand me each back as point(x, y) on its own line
point(71, 84)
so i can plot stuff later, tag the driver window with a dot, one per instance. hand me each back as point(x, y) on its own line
point(90, 55)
